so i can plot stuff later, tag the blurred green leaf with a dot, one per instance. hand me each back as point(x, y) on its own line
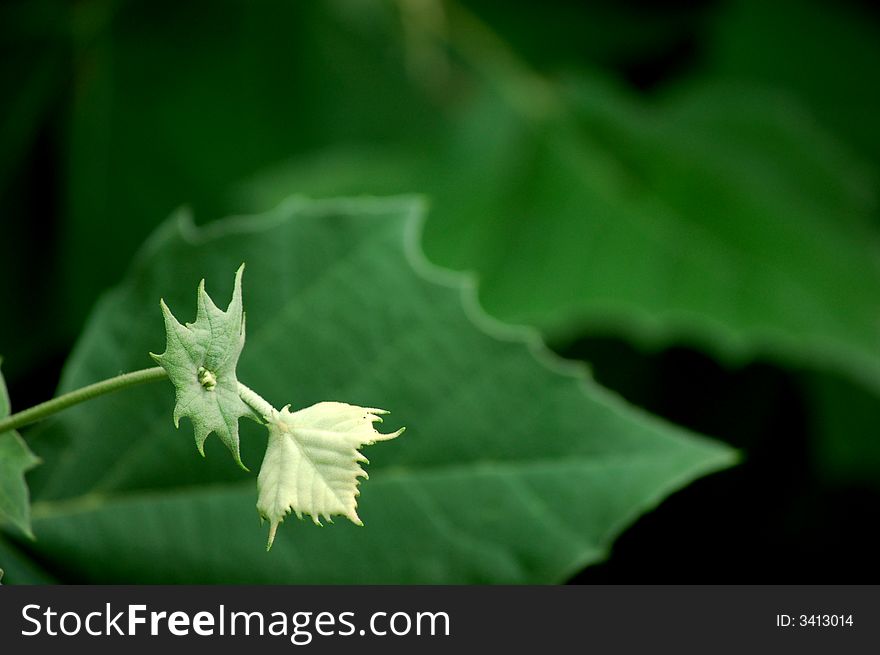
point(516, 467)
point(826, 52)
point(740, 220)
point(16, 459)
point(723, 215)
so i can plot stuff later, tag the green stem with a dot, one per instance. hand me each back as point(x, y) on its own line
point(256, 402)
point(46, 409)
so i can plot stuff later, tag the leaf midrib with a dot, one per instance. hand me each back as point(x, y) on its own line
point(91, 501)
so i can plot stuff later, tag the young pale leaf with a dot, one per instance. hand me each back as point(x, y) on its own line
point(312, 463)
point(16, 459)
point(200, 359)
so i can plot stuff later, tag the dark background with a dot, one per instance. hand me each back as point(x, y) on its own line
point(782, 516)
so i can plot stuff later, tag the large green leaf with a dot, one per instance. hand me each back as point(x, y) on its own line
point(722, 216)
point(16, 459)
point(515, 467)
point(828, 55)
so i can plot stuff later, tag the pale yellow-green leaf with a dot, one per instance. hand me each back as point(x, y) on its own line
point(312, 462)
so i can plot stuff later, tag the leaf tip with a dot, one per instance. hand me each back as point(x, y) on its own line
point(273, 528)
point(352, 516)
point(237, 457)
point(379, 436)
point(166, 311)
point(235, 302)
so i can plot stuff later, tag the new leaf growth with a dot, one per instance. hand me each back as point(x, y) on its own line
point(312, 463)
point(200, 359)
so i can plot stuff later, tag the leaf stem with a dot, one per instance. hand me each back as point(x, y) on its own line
point(46, 409)
point(255, 401)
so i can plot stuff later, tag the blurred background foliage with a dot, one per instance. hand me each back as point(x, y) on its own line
point(682, 194)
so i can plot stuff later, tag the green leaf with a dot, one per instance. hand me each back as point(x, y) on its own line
point(722, 216)
point(16, 459)
point(200, 359)
point(312, 463)
point(516, 467)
